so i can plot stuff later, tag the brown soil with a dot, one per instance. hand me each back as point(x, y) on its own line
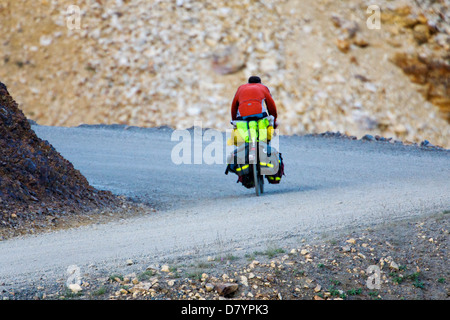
point(412, 257)
point(154, 63)
point(38, 187)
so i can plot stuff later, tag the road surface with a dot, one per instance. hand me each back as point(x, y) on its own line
point(331, 185)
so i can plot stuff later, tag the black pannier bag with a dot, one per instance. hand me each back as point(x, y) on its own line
point(271, 164)
point(276, 178)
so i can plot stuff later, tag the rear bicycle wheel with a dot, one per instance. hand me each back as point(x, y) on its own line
point(256, 180)
point(261, 185)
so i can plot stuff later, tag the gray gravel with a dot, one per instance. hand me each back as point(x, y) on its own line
point(331, 185)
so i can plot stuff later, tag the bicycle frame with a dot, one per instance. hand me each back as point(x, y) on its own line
point(254, 157)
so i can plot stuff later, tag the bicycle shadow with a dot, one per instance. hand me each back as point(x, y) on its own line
point(274, 190)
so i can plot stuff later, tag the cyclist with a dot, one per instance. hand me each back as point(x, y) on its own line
point(250, 101)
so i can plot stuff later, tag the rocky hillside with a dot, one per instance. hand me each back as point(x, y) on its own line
point(151, 63)
point(36, 182)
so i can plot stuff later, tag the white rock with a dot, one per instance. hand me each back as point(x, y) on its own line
point(393, 265)
point(307, 29)
point(75, 287)
point(165, 268)
point(171, 283)
point(193, 111)
point(45, 40)
point(268, 65)
point(244, 281)
point(370, 87)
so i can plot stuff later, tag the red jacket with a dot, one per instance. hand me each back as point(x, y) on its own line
point(249, 100)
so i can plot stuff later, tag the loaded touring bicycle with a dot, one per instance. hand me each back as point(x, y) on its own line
point(254, 158)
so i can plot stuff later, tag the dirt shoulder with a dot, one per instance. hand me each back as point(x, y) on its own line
point(411, 258)
point(39, 219)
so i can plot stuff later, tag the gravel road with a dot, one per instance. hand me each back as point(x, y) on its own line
point(331, 185)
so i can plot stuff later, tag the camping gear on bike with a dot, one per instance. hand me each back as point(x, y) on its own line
point(254, 157)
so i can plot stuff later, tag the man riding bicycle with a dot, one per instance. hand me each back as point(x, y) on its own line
point(253, 130)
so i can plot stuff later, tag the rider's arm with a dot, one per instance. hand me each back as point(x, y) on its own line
point(271, 107)
point(234, 106)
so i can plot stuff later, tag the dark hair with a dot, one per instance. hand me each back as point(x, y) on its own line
point(254, 79)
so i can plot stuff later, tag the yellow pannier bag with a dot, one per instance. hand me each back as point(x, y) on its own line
point(240, 134)
point(236, 139)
